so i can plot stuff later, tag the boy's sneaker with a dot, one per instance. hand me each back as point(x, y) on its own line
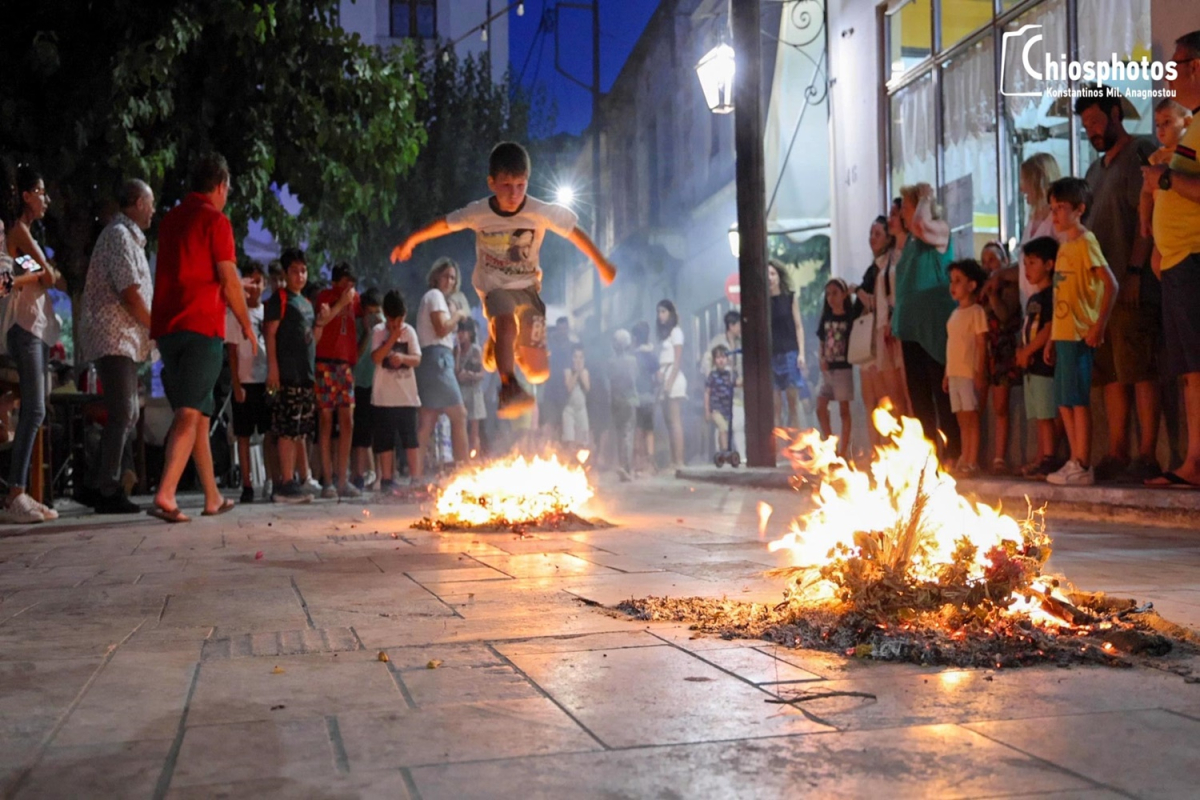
point(247, 494)
point(23, 510)
point(1141, 469)
point(1110, 469)
point(514, 401)
point(329, 492)
point(349, 491)
point(49, 513)
point(291, 493)
point(1072, 474)
point(310, 487)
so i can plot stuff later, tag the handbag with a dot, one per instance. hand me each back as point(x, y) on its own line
point(861, 349)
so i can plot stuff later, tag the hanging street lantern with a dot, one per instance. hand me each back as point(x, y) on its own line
point(715, 71)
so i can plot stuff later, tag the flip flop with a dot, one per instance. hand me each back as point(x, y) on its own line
point(226, 505)
point(172, 515)
point(1171, 480)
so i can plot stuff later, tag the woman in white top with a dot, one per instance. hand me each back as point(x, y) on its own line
point(672, 384)
point(437, 383)
point(1037, 173)
point(34, 329)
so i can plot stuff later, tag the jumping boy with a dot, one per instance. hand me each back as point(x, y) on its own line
point(1085, 291)
point(509, 227)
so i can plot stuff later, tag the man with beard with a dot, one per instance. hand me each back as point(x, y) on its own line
point(1128, 356)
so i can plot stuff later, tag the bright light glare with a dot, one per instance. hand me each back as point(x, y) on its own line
point(565, 195)
point(716, 71)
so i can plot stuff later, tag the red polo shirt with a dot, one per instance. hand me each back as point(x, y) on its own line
point(339, 340)
point(192, 238)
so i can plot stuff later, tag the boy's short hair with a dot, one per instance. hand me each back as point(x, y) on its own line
point(1043, 247)
point(290, 256)
point(393, 305)
point(1168, 104)
point(342, 269)
point(1074, 191)
point(208, 172)
point(508, 158)
point(972, 270)
point(719, 350)
point(371, 298)
point(732, 318)
point(251, 268)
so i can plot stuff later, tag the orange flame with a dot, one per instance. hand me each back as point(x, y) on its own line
point(513, 490)
point(849, 501)
point(764, 515)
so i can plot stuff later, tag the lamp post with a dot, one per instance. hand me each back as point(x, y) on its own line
point(726, 89)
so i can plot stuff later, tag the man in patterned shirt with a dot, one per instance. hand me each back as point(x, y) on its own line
point(116, 310)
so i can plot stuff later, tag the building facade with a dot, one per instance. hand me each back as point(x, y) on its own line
point(389, 22)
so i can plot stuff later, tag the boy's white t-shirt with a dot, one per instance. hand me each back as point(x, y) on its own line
point(251, 368)
point(432, 302)
point(961, 329)
point(394, 388)
point(507, 245)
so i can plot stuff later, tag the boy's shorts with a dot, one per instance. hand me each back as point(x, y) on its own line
point(1073, 374)
point(962, 394)
point(294, 412)
point(720, 419)
point(837, 384)
point(252, 416)
point(645, 418)
point(526, 304)
point(395, 426)
point(1039, 397)
point(363, 417)
point(334, 385)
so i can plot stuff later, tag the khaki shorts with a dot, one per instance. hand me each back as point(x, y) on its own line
point(1128, 354)
point(527, 306)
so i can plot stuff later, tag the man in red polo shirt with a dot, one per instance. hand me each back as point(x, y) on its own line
point(196, 278)
point(337, 353)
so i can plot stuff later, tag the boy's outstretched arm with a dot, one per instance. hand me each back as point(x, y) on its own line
point(586, 246)
point(404, 250)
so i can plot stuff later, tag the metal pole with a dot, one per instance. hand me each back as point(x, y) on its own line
point(752, 232)
point(596, 204)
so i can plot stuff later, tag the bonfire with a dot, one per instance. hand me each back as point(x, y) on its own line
point(894, 562)
point(515, 493)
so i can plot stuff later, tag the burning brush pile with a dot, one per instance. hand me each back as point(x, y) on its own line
point(895, 564)
point(514, 494)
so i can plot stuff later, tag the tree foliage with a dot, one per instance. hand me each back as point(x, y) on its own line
point(96, 91)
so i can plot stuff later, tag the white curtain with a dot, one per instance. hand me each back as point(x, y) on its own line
point(1052, 17)
point(913, 132)
point(1113, 26)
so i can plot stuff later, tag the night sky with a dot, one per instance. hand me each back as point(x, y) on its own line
point(621, 23)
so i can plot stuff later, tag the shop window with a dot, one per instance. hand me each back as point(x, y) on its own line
point(970, 192)
point(1120, 28)
point(960, 18)
point(1034, 121)
point(413, 19)
point(914, 141)
point(910, 34)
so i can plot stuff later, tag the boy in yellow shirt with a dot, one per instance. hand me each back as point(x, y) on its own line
point(1085, 292)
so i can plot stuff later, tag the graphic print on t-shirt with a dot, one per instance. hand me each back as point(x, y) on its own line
point(509, 252)
point(398, 349)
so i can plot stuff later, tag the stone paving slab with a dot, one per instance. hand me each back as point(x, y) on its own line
point(936, 761)
point(1145, 753)
point(138, 659)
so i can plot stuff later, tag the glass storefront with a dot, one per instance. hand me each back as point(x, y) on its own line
point(952, 126)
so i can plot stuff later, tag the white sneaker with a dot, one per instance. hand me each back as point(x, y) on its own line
point(23, 510)
point(1072, 474)
point(370, 478)
point(310, 487)
point(48, 513)
point(329, 492)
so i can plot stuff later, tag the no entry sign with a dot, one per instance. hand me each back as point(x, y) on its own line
point(733, 289)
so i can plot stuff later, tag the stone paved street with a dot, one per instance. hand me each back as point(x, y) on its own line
point(239, 657)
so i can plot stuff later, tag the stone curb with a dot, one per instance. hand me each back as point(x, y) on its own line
point(1128, 504)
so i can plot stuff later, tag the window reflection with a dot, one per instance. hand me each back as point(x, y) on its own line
point(910, 36)
point(970, 193)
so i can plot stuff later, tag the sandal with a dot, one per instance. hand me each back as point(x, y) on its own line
point(171, 515)
point(1000, 467)
point(226, 506)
